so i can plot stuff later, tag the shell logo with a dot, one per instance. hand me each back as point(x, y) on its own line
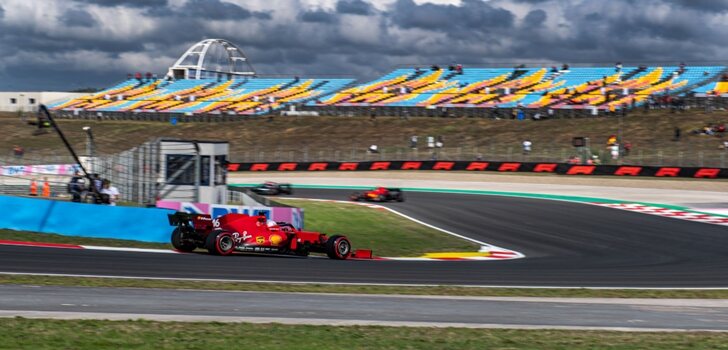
point(275, 239)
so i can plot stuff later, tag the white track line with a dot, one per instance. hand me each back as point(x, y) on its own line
point(484, 247)
point(123, 249)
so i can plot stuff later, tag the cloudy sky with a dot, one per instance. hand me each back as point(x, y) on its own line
point(70, 44)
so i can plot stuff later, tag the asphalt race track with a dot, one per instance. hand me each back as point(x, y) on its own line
point(566, 244)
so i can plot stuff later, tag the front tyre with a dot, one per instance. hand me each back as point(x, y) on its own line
point(220, 243)
point(338, 247)
point(179, 243)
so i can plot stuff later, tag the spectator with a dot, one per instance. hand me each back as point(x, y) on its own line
point(46, 190)
point(618, 67)
point(18, 151)
point(440, 142)
point(527, 146)
point(725, 145)
point(430, 142)
point(614, 151)
point(76, 187)
point(33, 188)
point(565, 67)
point(627, 148)
point(373, 149)
point(413, 142)
point(109, 193)
point(459, 68)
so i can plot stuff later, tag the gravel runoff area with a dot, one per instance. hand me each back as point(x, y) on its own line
point(692, 193)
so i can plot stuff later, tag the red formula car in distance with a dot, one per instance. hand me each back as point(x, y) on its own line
point(245, 233)
point(379, 194)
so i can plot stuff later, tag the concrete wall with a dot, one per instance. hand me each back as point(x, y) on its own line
point(29, 101)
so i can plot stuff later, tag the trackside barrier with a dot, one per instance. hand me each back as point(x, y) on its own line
point(556, 168)
point(85, 220)
point(291, 215)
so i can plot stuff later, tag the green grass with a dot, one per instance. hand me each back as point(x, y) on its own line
point(387, 234)
point(363, 289)
point(20, 333)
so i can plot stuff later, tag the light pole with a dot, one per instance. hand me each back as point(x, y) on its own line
point(90, 147)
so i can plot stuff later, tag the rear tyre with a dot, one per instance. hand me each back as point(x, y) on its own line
point(400, 198)
point(220, 243)
point(338, 247)
point(179, 243)
point(355, 197)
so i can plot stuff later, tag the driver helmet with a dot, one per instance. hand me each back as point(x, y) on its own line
point(271, 223)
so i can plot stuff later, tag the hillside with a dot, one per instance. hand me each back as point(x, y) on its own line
point(347, 138)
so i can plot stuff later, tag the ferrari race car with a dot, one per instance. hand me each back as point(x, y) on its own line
point(272, 188)
point(245, 233)
point(379, 194)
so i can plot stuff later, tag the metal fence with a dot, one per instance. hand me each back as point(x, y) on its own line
point(717, 158)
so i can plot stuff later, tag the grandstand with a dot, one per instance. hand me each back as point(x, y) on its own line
point(573, 88)
point(214, 77)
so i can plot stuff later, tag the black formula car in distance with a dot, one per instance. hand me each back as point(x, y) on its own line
point(272, 188)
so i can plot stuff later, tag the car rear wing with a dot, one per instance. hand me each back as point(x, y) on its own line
point(198, 221)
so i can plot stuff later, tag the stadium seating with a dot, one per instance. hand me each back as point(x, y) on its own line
point(237, 96)
point(573, 88)
point(567, 88)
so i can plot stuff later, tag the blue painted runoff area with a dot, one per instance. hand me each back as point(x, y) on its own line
point(85, 220)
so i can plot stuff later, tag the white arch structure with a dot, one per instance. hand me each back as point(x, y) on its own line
point(210, 58)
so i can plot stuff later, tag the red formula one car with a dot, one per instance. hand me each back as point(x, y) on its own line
point(379, 194)
point(244, 233)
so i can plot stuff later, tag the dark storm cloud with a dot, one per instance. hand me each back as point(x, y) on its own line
point(472, 15)
point(318, 16)
point(535, 18)
point(704, 5)
point(77, 18)
point(126, 3)
point(354, 7)
point(214, 9)
point(289, 37)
